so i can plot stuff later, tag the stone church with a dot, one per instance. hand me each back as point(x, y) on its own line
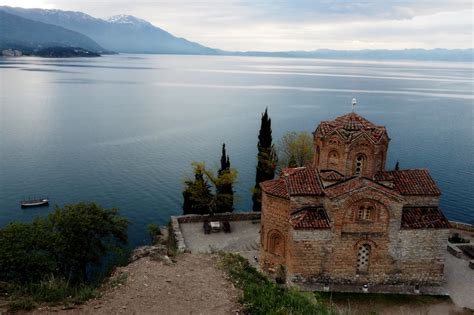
point(345, 220)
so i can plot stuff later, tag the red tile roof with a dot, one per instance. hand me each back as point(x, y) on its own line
point(383, 176)
point(310, 218)
point(423, 218)
point(275, 187)
point(414, 182)
point(351, 126)
point(302, 181)
point(355, 183)
point(294, 182)
point(331, 175)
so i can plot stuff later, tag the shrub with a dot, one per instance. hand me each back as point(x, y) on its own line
point(154, 232)
point(25, 304)
point(66, 243)
point(262, 296)
point(456, 238)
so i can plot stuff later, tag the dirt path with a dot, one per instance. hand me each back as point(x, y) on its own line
point(193, 285)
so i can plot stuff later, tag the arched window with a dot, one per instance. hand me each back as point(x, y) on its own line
point(275, 243)
point(333, 159)
point(365, 212)
point(363, 258)
point(359, 164)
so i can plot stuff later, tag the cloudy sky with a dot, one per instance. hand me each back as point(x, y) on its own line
point(294, 24)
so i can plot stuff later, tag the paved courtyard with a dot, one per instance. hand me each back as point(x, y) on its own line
point(244, 237)
point(460, 281)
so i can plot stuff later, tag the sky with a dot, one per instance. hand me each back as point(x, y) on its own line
point(280, 25)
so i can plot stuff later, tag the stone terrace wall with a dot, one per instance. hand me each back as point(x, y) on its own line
point(462, 226)
point(228, 216)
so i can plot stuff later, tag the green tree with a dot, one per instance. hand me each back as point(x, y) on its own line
point(200, 199)
point(197, 194)
point(24, 252)
point(224, 190)
point(266, 159)
point(82, 234)
point(69, 243)
point(397, 166)
point(295, 149)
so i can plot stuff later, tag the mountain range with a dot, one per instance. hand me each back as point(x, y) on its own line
point(122, 33)
point(129, 34)
point(24, 34)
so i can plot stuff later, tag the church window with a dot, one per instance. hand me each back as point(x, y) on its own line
point(275, 243)
point(365, 212)
point(359, 164)
point(363, 258)
point(333, 158)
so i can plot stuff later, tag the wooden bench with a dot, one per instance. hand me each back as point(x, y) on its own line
point(453, 250)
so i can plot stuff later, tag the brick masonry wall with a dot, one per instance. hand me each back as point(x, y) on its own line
point(332, 152)
point(331, 255)
point(422, 254)
point(298, 202)
point(422, 200)
point(275, 213)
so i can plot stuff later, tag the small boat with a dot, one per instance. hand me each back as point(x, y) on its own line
point(35, 202)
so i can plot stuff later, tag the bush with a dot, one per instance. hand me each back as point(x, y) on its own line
point(262, 296)
point(66, 244)
point(25, 304)
point(154, 232)
point(52, 290)
point(456, 238)
point(24, 252)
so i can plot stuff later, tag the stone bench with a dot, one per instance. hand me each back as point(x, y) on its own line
point(453, 250)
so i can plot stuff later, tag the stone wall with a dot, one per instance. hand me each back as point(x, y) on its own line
point(309, 252)
point(396, 256)
point(230, 216)
point(422, 201)
point(298, 202)
point(462, 226)
point(333, 152)
point(422, 255)
point(275, 213)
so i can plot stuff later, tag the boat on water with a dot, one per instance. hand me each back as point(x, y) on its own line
point(34, 202)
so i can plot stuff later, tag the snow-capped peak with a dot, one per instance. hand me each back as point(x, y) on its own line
point(126, 19)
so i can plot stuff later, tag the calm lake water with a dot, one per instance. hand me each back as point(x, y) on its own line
point(122, 130)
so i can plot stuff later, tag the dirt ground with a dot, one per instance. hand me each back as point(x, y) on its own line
point(193, 285)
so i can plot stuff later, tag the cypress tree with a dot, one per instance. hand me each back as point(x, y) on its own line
point(266, 159)
point(224, 191)
point(397, 166)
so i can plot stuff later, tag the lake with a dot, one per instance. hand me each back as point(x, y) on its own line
point(122, 130)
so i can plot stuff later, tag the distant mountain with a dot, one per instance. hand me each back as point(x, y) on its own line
point(24, 34)
point(121, 33)
point(128, 34)
point(438, 54)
